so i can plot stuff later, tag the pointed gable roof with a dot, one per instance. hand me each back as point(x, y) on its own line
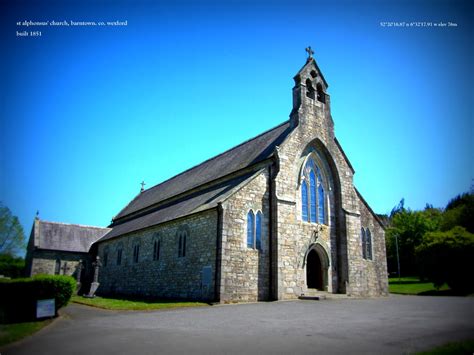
point(311, 62)
point(66, 237)
point(240, 157)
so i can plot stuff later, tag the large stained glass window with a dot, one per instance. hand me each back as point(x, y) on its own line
point(313, 197)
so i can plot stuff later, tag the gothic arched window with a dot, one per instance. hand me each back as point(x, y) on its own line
point(258, 230)
point(368, 243)
point(182, 244)
point(119, 255)
point(304, 201)
point(136, 252)
point(312, 194)
point(156, 249)
point(364, 243)
point(254, 230)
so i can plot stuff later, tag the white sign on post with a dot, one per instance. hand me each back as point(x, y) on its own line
point(45, 308)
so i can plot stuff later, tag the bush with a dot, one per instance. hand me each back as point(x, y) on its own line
point(448, 257)
point(18, 297)
point(11, 266)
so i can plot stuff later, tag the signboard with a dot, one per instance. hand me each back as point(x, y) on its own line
point(45, 308)
point(206, 276)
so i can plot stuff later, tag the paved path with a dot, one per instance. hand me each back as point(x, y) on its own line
point(397, 324)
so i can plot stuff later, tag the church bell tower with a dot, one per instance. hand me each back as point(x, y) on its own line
point(311, 103)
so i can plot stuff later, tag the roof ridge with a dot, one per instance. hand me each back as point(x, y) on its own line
point(72, 224)
point(197, 165)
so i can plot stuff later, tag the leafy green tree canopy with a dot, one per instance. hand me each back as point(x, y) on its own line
point(447, 257)
point(459, 212)
point(12, 237)
point(408, 227)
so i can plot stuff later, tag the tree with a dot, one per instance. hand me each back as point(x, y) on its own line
point(11, 266)
point(12, 238)
point(448, 257)
point(459, 212)
point(409, 227)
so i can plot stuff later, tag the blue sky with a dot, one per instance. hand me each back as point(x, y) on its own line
point(87, 113)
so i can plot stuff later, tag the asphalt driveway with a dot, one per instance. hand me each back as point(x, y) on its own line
point(396, 324)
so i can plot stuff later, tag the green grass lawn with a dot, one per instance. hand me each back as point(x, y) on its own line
point(16, 331)
point(413, 286)
point(460, 347)
point(125, 304)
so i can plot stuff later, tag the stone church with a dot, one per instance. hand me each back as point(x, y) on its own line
point(56, 248)
point(270, 219)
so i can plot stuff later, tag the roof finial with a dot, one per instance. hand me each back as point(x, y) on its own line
point(37, 214)
point(143, 186)
point(310, 52)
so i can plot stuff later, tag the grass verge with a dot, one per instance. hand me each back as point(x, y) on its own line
point(459, 347)
point(10, 333)
point(131, 304)
point(413, 286)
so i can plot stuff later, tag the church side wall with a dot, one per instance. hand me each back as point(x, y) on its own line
point(171, 276)
point(374, 272)
point(245, 271)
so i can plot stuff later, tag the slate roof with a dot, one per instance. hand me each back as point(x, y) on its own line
point(237, 158)
point(193, 203)
point(66, 237)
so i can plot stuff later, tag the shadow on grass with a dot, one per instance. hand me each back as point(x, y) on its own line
point(445, 293)
point(406, 282)
point(149, 300)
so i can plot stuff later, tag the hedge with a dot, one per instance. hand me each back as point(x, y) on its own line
point(448, 257)
point(18, 297)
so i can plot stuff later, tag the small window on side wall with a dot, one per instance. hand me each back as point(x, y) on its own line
point(119, 256)
point(254, 230)
point(156, 250)
point(182, 244)
point(366, 237)
point(136, 253)
point(368, 243)
point(364, 243)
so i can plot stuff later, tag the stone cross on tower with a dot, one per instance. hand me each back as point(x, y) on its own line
point(143, 186)
point(310, 52)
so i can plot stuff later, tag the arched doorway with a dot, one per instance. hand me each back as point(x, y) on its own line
point(314, 271)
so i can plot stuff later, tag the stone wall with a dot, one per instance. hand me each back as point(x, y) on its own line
point(339, 236)
point(45, 261)
point(374, 280)
point(171, 276)
point(313, 135)
point(245, 271)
